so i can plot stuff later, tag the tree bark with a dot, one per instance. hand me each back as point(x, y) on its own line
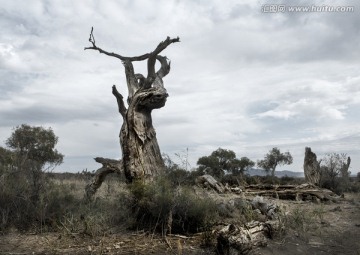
point(141, 156)
point(345, 169)
point(311, 167)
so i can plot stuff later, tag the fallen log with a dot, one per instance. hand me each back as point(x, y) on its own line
point(244, 239)
point(207, 181)
point(303, 192)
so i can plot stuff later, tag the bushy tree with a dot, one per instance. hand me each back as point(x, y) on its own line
point(223, 161)
point(6, 159)
point(332, 166)
point(273, 159)
point(35, 144)
point(25, 197)
point(31, 150)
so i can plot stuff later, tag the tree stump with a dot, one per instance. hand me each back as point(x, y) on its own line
point(311, 167)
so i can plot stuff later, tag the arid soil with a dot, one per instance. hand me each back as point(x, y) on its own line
point(328, 228)
point(335, 229)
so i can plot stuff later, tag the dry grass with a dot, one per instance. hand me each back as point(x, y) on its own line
point(101, 226)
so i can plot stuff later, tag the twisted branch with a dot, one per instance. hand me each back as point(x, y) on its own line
point(138, 81)
point(162, 45)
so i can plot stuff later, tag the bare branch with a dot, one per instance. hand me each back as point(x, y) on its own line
point(162, 45)
point(120, 101)
point(153, 56)
point(92, 38)
point(109, 166)
point(131, 80)
point(165, 66)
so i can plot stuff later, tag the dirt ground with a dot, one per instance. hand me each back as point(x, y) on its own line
point(332, 228)
point(337, 231)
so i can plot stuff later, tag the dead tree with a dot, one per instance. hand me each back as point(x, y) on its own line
point(311, 167)
point(344, 171)
point(141, 157)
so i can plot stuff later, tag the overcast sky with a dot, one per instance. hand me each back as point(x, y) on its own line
point(241, 79)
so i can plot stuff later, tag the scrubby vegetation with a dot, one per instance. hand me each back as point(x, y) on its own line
point(335, 174)
point(33, 199)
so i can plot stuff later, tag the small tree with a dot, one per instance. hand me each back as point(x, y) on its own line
point(273, 159)
point(221, 161)
point(333, 165)
point(25, 197)
point(33, 151)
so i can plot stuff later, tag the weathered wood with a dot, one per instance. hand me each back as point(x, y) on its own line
point(292, 192)
point(344, 171)
point(141, 156)
point(244, 239)
point(266, 208)
point(207, 181)
point(311, 167)
point(109, 166)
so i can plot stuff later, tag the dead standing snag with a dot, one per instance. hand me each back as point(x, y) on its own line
point(141, 157)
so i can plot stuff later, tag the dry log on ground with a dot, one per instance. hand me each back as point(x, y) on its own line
point(244, 239)
point(292, 192)
point(267, 208)
point(207, 181)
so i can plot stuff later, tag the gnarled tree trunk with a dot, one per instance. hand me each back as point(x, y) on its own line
point(141, 157)
point(311, 167)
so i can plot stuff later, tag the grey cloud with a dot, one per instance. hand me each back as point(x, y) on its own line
point(45, 113)
point(13, 82)
point(233, 64)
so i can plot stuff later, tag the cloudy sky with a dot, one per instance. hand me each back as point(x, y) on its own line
point(241, 79)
